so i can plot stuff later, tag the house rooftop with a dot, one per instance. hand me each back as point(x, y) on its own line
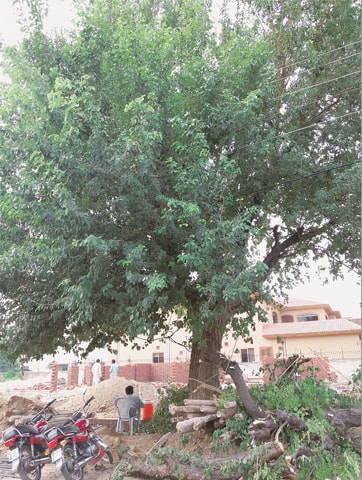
point(296, 304)
point(305, 329)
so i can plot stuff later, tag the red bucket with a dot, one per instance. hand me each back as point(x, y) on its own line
point(147, 411)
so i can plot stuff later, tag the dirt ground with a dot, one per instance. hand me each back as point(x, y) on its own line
point(19, 397)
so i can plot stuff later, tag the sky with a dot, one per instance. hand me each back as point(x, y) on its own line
point(342, 295)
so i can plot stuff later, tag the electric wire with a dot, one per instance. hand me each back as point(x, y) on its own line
point(320, 123)
point(293, 92)
point(319, 55)
point(336, 94)
point(301, 177)
point(308, 70)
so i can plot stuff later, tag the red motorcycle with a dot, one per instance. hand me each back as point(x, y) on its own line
point(28, 444)
point(74, 446)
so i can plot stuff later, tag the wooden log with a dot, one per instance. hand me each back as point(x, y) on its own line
point(202, 421)
point(175, 409)
point(192, 415)
point(208, 409)
point(225, 413)
point(232, 404)
point(191, 401)
point(185, 426)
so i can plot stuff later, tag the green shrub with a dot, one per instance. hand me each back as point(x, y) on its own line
point(10, 375)
point(303, 398)
point(356, 377)
point(161, 420)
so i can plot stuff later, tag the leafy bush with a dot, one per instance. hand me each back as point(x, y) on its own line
point(356, 377)
point(308, 399)
point(337, 464)
point(9, 370)
point(303, 398)
point(161, 420)
point(229, 394)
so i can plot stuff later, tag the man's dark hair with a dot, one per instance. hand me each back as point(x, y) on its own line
point(113, 360)
point(129, 390)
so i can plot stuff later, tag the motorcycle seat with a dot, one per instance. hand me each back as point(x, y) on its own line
point(19, 430)
point(69, 429)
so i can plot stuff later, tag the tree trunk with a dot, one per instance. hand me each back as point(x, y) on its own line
point(232, 368)
point(204, 373)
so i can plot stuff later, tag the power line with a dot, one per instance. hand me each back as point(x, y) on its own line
point(301, 177)
point(320, 83)
point(313, 68)
point(336, 94)
point(319, 123)
point(319, 55)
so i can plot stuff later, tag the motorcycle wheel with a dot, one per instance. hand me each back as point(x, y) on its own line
point(107, 457)
point(25, 471)
point(68, 466)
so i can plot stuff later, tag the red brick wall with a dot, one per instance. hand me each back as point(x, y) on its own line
point(180, 372)
point(140, 372)
point(88, 376)
point(127, 371)
point(143, 372)
point(318, 367)
point(155, 372)
point(105, 371)
point(73, 376)
point(54, 377)
point(160, 371)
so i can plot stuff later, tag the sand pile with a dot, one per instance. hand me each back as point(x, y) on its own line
point(103, 404)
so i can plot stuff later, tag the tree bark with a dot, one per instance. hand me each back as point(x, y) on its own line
point(204, 380)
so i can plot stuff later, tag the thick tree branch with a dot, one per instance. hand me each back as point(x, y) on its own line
point(280, 249)
point(232, 368)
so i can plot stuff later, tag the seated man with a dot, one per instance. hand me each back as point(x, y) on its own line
point(135, 399)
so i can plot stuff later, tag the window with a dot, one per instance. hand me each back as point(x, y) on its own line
point(287, 319)
point(158, 357)
point(265, 352)
point(307, 317)
point(247, 355)
point(275, 317)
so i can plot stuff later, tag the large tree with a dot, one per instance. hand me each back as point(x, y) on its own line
point(152, 163)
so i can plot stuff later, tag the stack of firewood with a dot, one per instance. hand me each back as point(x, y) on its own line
point(198, 414)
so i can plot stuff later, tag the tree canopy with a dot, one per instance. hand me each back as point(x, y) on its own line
point(155, 163)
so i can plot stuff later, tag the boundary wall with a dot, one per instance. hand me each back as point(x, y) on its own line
point(140, 372)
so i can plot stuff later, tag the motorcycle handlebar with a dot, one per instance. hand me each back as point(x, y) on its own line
point(49, 403)
point(40, 415)
point(88, 401)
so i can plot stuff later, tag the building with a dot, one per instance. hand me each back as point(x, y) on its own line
point(300, 327)
point(305, 328)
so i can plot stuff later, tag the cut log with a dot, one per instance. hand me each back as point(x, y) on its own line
point(200, 422)
point(225, 413)
point(175, 409)
point(208, 409)
point(191, 401)
point(185, 426)
point(232, 404)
